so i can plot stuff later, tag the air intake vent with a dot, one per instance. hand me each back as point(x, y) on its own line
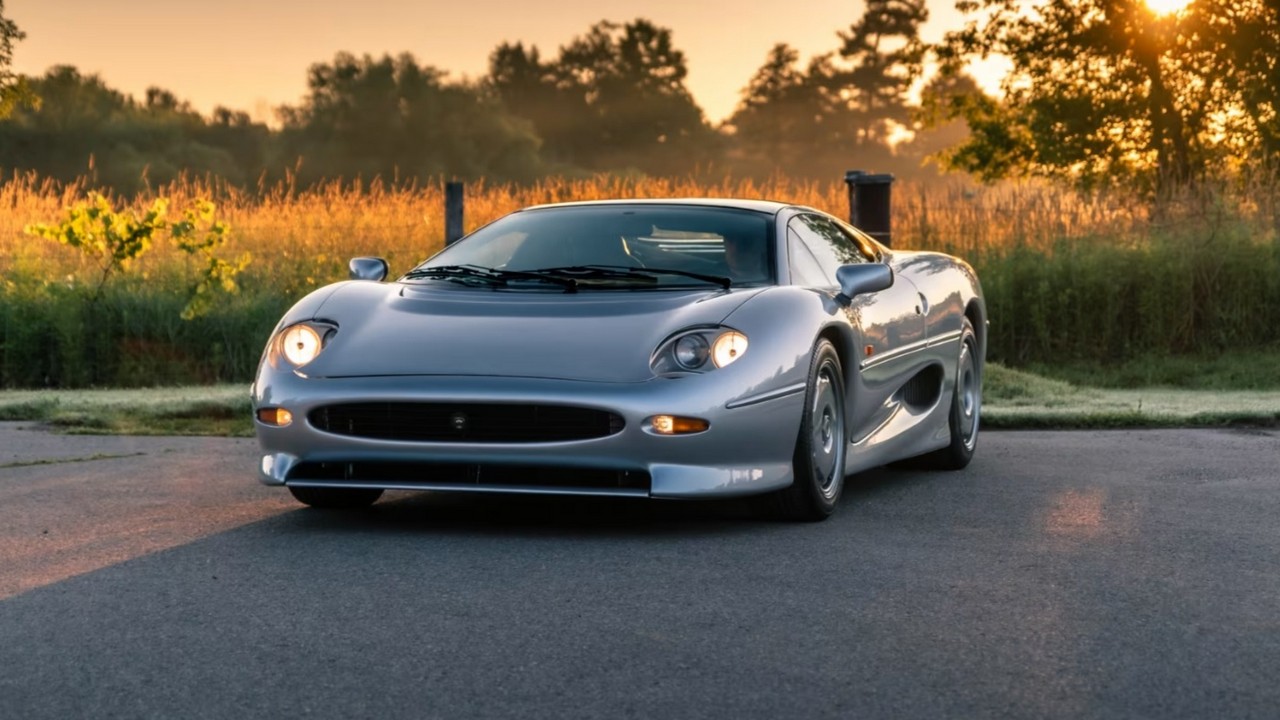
point(922, 390)
point(472, 476)
point(465, 422)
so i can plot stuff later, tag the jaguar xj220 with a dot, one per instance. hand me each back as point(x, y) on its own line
point(654, 348)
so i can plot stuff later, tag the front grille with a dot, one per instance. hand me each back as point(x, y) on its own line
point(427, 475)
point(465, 422)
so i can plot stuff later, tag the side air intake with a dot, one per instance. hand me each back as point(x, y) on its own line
point(923, 390)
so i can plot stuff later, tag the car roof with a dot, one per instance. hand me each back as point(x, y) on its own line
point(762, 206)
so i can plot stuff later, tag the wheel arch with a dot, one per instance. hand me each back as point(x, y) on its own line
point(842, 339)
point(977, 315)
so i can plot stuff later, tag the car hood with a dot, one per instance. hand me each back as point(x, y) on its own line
point(438, 329)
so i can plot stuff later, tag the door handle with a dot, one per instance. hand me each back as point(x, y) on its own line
point(923, 307)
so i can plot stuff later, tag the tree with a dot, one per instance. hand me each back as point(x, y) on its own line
point(78, 123)
point(1239, 40)
point(391, 117)
point(838, 111)
point(775, 112)
point(13, 88)
point(787, 119)
point(886, 54)
point(632, 79)
point(1108, 91)
point(251, 145)
point(84, 126)
point(529, 88)
point(937, 127)
point(613, 98)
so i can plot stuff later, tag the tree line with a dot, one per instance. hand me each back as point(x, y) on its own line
point(1100, 92)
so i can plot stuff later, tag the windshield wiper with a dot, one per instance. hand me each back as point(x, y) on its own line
point(491, 276)
point(457, 272)
point(628, 272)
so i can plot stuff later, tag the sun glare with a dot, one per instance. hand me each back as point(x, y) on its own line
point(1162, 7)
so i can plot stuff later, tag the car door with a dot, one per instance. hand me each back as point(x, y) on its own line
point(888, 324)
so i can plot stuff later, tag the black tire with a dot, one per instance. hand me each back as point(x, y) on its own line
point(966, 407)
point(336, 498)
point(821, 445)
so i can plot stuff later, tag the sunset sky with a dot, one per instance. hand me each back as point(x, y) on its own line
point(253, 54)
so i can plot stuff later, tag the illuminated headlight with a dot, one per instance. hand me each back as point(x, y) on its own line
point(301, 343)
point(728, 347)
point(698, 350)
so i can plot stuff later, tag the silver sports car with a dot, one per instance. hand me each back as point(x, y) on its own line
point(650, 348)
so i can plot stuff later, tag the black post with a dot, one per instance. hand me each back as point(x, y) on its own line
point(453, 197)
point(869, 203)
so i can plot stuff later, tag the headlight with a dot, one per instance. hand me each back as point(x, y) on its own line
point(728, 347)
point(301, 343)
point(691, 352)
point(698, 350)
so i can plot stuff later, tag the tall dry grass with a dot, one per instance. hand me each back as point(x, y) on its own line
point(316, 230)
point(305, 237)
point(1067, 274)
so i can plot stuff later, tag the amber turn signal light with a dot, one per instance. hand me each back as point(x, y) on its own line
point(675, 425)
point(275, 416)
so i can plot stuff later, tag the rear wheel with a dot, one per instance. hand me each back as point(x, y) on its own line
point(966, 407)
point(336, 498)
point(818, 464)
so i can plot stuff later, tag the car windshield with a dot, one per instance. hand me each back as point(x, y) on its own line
point(609, 247)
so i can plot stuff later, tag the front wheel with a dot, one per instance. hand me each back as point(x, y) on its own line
point(818, 464)
point(336, 498)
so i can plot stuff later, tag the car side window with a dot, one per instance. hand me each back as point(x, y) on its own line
point(805, 269)
point(830, 244)
point(864, 241)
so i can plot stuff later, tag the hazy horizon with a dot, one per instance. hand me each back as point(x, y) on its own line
point(253, 55)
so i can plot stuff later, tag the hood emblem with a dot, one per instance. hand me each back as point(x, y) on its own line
point(458, 421)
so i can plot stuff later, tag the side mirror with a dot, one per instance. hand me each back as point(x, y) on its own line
point(367, 268)
point(855, 280)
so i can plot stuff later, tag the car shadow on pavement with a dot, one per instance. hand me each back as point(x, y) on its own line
point(466, 513)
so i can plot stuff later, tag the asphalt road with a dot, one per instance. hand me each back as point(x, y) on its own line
point(1081, 575)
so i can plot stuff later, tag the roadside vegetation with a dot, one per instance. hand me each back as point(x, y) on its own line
point(1015, 399)
point(1126, 231)
point(1109, 290)
point(1253, 369)
point(223, 410)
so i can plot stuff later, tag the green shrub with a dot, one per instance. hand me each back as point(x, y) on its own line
point(128, 336)
point(1180, 291)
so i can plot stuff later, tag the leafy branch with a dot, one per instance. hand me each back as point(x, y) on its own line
point(114, 239)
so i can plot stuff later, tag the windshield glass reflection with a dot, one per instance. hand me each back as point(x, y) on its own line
point(693, 241)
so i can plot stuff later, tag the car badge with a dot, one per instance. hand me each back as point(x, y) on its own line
point(458, 421)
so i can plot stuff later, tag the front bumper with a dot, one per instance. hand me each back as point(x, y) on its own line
point(746, 450)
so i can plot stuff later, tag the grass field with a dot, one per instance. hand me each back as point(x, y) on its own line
point(1073, 280)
